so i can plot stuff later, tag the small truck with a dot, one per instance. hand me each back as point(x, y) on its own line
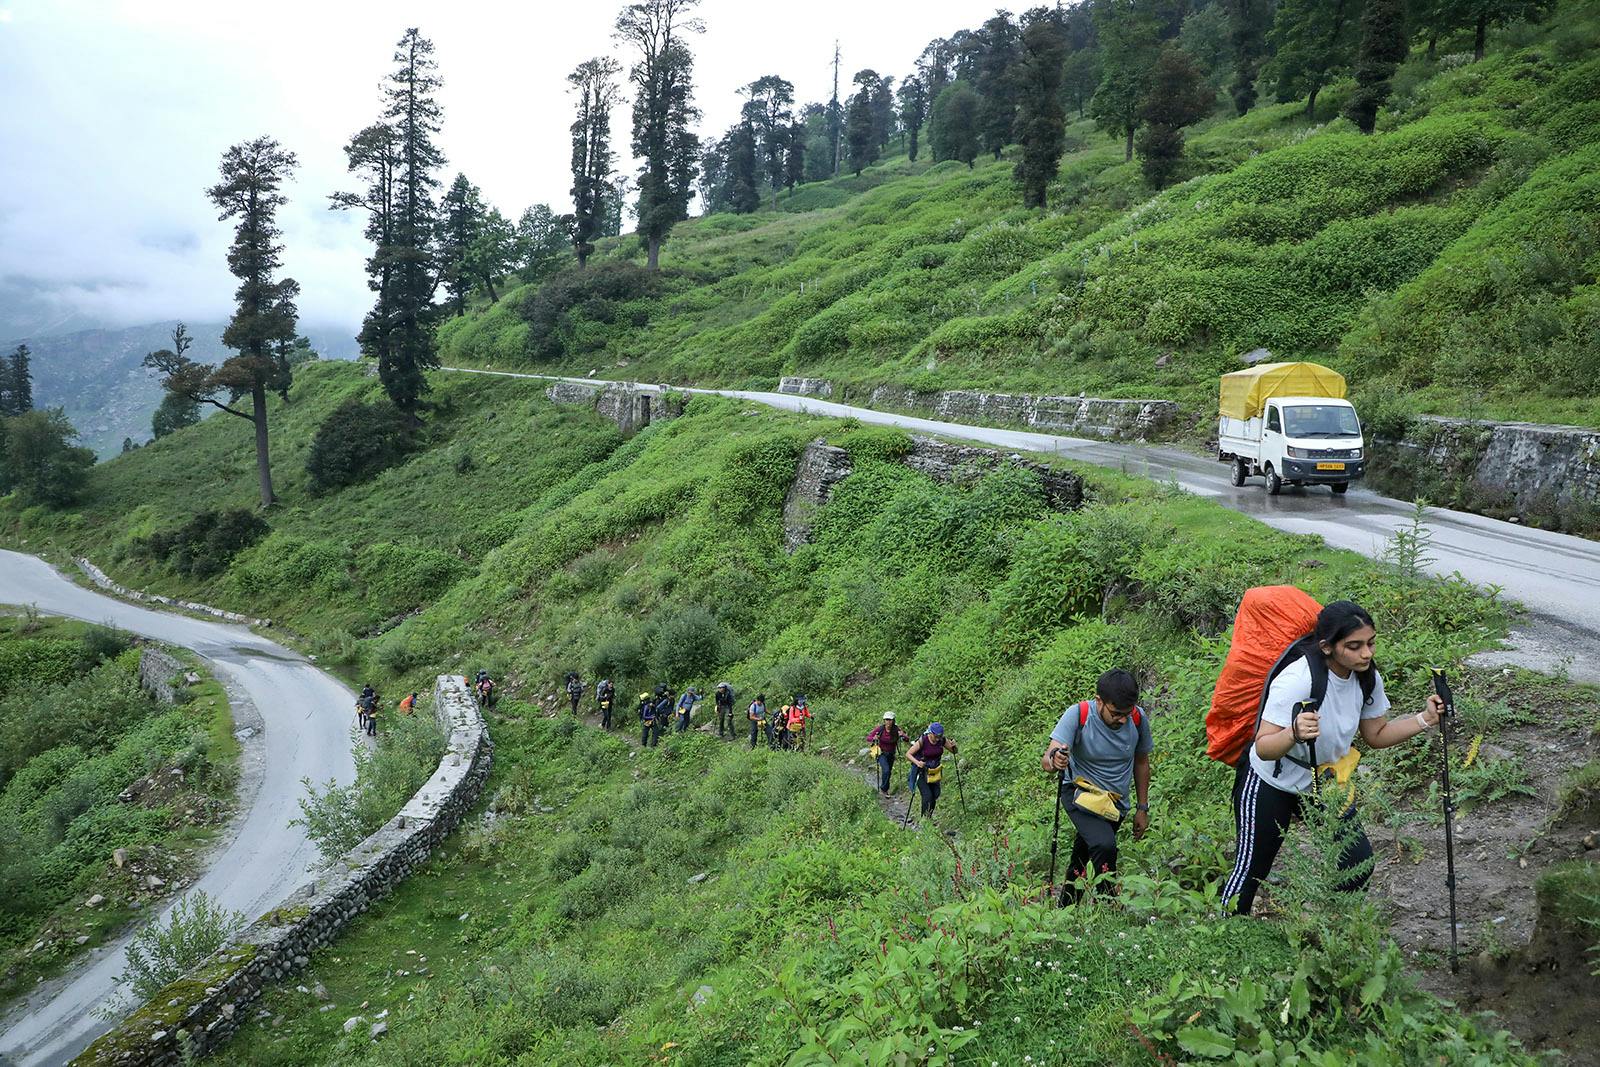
point(1291, 424)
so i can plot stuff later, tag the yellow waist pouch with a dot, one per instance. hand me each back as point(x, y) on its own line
point(877, 750)
point(1096, 801)
point(934, 774)
point(1342, 771)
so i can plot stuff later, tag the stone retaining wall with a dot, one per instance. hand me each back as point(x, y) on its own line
point(100, 578)
point(1074, 415)
point(818, 387)
point(1545, 475)
point(632, 407)
point(203, 1009)
point(823, 466)
point(157, 669)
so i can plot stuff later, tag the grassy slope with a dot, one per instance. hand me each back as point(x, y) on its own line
point(1449, 258)
point(659, 558)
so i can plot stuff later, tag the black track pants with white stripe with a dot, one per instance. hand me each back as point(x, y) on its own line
point(1261, 815)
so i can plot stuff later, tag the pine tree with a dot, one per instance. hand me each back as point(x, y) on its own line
point(933, 66)
point(1247, 32)
point(1080, 74)
point(1384, 44)
point(16, 383)
point(663, 109)
point(594, 82)
point(414, 115)
point(373, 155)
point(460, 219)
point(543, 238)
point(252, 175)
point(913, 98)
point(493, 252)
point(741, 187)
point(1178, 97)
point(1040, 123)
point(953, 124)
point(999, 47)
point(794, 159)
point(883, 113)
point(769, 110)
point(1480, 15)
point(173, 414)
point(1129, 44)
point(861, 138)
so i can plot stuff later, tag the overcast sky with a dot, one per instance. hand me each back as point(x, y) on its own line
point(113, 116)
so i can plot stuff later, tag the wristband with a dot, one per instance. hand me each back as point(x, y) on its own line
point(1422, 724)
point(1142, 807)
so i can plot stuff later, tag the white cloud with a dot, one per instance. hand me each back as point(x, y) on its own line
point(118, 113)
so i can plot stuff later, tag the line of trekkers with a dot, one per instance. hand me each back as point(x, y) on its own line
point(1298, 685)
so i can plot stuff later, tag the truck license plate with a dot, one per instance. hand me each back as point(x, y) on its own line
point(1330, 466)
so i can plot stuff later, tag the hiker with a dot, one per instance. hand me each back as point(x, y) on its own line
point(686, 705)
point(647, 719)
point(664, 704)
point(483, 689)
point(926, 773)
point(1310, 713)
point(757, 714)
point(606, 694)
point(724, 700)
point(778, 729)
point(799, 716)
point(372, 716)
point(574, 690)
point(885, 738)
point(409, 704)
point(1097, 748)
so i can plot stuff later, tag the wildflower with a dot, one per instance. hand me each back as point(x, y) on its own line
point(1016, 1018)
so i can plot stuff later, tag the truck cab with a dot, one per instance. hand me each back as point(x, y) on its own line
point(1296, 440)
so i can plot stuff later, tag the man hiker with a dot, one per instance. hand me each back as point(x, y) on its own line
point(483, 689)
point(372, 716)
point(686, 705)
point(885, 738)
point(574, 690)
point(757, 714)
point(1298, 743)
point(926, 773)
point(409, 704)
point(1097, 748)
point(799, 718)
point(724, 700)
point(663, 713)
point(606, 694)
point(647, 719)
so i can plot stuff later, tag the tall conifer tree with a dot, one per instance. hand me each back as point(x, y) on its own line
point(594, 82)
point(663, 109)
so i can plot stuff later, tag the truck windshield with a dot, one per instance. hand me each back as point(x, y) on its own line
point(1320, 420)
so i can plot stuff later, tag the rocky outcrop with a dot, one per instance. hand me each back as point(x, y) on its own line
point(100, 578)
point(1547, 475)
point(818, 387)
point(200, 1011)
point(631, 407)
point(823, 466)
point(1073, 415)
point(160, 673)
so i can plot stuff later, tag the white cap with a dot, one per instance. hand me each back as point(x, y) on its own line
point(888, 715)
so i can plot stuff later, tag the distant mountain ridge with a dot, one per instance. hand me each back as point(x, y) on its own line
point(97, 375)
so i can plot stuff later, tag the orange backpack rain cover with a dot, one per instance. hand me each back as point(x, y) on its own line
point(1270, 619)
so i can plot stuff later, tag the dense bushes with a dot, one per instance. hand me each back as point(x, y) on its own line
point(356, 442)
point(206, 544)
point(567, 315)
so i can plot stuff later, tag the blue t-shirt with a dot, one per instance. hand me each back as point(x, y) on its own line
point(1100, 754)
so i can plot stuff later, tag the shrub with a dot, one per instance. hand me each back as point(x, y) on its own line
point(688, 643)
point(207, 543)
point(558, 312)
point(358, 441)
point(160, 954)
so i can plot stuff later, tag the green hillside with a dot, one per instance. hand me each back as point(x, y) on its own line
point(1449, 259)
point(567, 928)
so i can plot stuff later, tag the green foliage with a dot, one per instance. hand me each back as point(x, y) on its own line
point(207, 543)
point(161, 953)
point(337, 818)
point(357, 442)
point(38, 460)
point(563, 314)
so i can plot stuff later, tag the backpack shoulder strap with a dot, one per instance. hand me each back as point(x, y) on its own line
point(1138, 716)
point(1083, 713)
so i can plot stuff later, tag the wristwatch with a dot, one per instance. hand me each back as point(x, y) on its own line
point(1142, 807)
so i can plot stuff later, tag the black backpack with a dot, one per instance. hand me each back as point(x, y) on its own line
point(1306, 649)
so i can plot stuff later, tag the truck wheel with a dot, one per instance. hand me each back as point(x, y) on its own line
point(1341, 488)
point(1240, 472)
point(1274, 483)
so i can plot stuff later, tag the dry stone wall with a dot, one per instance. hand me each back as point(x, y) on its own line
point(631, 407)
point(157, 669)
point(100, 578)
point(202, 1010)
point(818, 387)
point(823, 466)
point(1073, 415)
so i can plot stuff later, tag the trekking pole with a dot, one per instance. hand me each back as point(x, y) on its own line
point(1055, 833)
point(960, 792)
point(1311, 745)
point(1442, 689)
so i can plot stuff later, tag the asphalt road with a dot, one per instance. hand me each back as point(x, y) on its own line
point(303, 729)
point(1555, 576)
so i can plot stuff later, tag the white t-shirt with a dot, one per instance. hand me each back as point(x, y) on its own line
point(1341, 713)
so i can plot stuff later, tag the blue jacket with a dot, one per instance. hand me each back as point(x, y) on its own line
point(647, 711)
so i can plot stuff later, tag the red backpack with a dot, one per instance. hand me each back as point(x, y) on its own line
point(1083, 714)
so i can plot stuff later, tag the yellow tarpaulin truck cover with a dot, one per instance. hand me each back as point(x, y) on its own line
point(1244, 393)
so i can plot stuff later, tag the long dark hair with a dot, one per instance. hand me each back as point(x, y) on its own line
point(1335, 622)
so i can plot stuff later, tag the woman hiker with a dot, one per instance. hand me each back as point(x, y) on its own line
point(885, 738)
point(925, 756)
point(1277, 772)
